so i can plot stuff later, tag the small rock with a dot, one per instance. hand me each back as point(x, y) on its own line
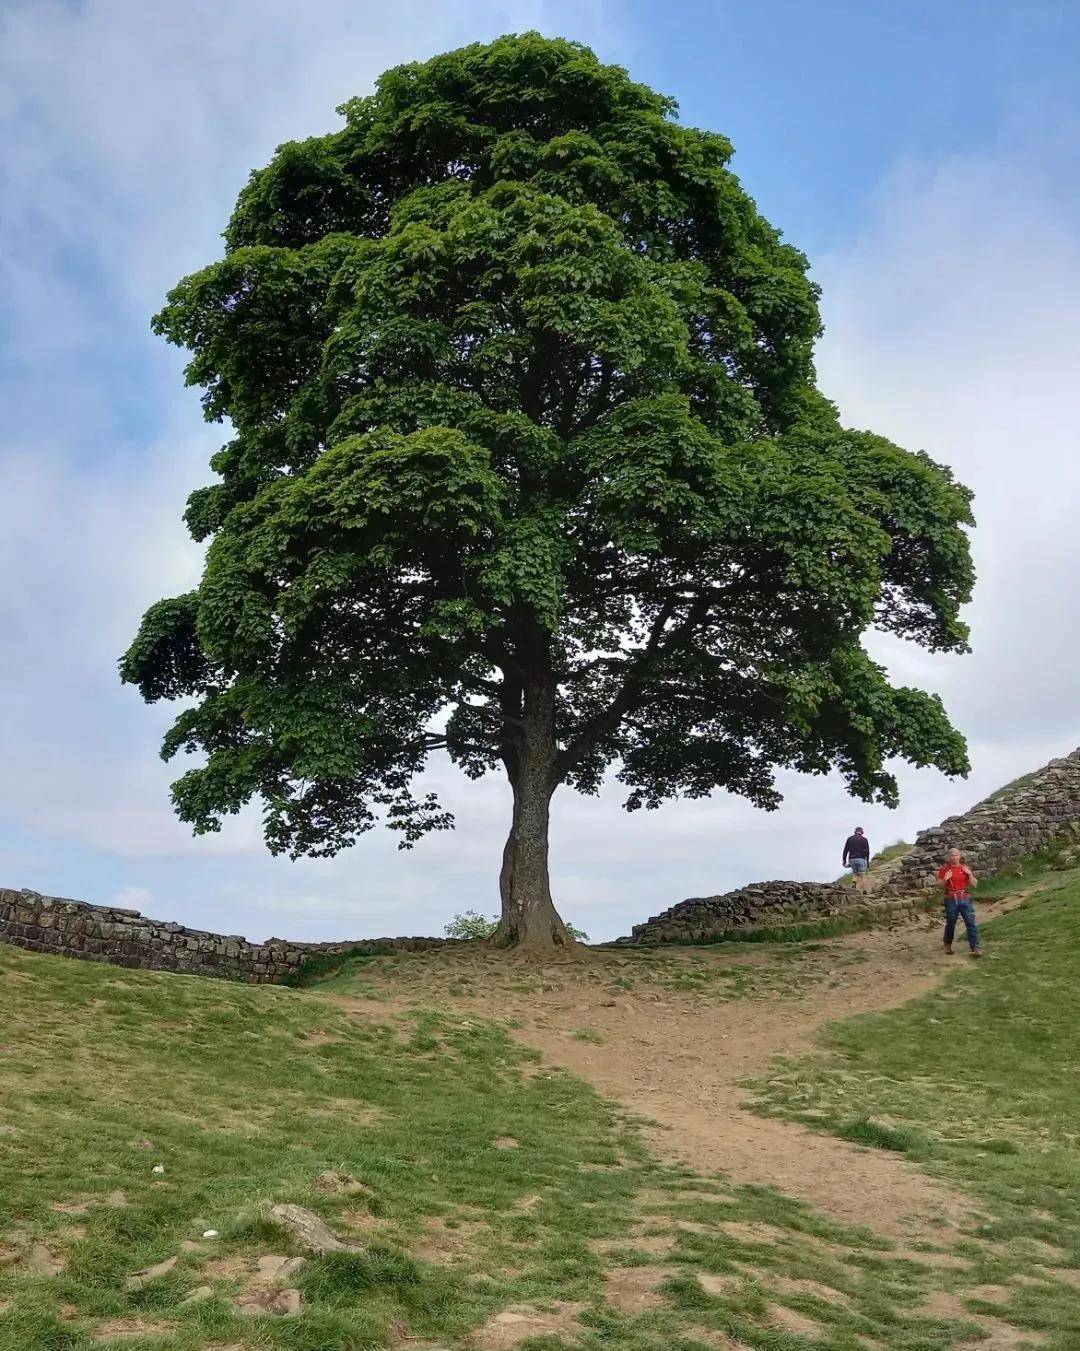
point(257, 1302)
point(199, 1295)
point(41, 1262)
point(310, 1231)
point(210, 1233)
point(158, 1168)
point(274, 1267)
point(340, 1184)
point(148, 1274)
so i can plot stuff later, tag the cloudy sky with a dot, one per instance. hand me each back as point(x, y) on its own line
point(926, 156)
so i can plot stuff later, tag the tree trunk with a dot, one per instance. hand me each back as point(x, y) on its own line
point(529, 918)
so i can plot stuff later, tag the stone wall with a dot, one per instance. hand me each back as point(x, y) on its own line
point(1018, 820)
point(102, 933)
point(766, 905)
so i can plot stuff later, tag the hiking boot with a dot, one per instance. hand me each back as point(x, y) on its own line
point(948, 949)
point(976, 952)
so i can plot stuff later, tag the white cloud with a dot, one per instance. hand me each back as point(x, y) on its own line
point(133, 898)
point(953, 327)
point(128, 129)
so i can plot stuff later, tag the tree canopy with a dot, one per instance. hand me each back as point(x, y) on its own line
point(527, 465)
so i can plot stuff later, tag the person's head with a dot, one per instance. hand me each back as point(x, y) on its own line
point(858, 830)
point(955, 857)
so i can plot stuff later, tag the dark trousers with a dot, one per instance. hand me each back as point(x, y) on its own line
point(960, 907)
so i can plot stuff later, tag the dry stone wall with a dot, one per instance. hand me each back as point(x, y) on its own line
point(101, 933)
point(765, 905)
point(1038, 809)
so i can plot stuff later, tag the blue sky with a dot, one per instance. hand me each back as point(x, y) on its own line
point(924, 155)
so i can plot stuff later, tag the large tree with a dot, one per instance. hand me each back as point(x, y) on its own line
point(528, 466)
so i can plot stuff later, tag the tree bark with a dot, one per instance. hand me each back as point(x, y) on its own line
point(529, 918)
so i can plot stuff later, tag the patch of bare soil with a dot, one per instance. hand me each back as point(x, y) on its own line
point(997, 1335)
point(656, 1245)
point(513, 1326)
point(947, 1260)
point(450, 1243)
point(787, 1320)
point(635, 1289)
point(710, 1337)
point(679, 1057)
point(717, 1285)
point(784, 1285)
point(129, 1329)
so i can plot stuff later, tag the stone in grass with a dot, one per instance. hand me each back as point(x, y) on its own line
point(148, 1274)
point(309, 1230)
point(199, 1295)
point(340, 1184)
point(261, 1300)
point(275, 1267)
point(40, 1261)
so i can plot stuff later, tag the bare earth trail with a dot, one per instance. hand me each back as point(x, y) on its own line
point(676, 1050)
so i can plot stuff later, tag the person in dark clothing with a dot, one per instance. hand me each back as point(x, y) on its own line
point(857, 855)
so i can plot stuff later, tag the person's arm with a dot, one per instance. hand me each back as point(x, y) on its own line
point(942, 873)
point(973, 881)
point(847, 850)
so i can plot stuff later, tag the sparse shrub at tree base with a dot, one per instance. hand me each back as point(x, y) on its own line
point(471, 925)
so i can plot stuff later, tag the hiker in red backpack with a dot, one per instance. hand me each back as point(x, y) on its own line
point(959, 879)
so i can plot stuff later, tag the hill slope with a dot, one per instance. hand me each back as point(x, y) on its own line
point(493, 1197)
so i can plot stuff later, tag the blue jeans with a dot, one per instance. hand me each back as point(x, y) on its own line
point(859, 866)
point(960, 907)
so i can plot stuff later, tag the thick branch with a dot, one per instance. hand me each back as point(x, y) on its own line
point(659, 644)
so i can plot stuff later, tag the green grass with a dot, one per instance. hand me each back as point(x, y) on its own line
point(246, 1096)
point(322, 964)
point(493, 1181)
point(981, 1081)
point(864, 1130)
point(1010, 789)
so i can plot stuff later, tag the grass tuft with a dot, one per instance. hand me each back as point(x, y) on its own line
point(865, 1131)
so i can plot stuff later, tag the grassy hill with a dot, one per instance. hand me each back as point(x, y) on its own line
point(490, 1201)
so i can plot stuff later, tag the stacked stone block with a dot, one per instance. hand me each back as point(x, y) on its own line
point(1039, 810)
point(765, 905)
point(101, 933)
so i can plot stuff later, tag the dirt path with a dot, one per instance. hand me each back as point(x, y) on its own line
point(671, 1051)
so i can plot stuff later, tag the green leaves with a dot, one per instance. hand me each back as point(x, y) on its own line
point(524, 418)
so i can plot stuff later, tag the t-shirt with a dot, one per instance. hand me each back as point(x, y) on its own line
point(856, 846)
point(955, 877)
